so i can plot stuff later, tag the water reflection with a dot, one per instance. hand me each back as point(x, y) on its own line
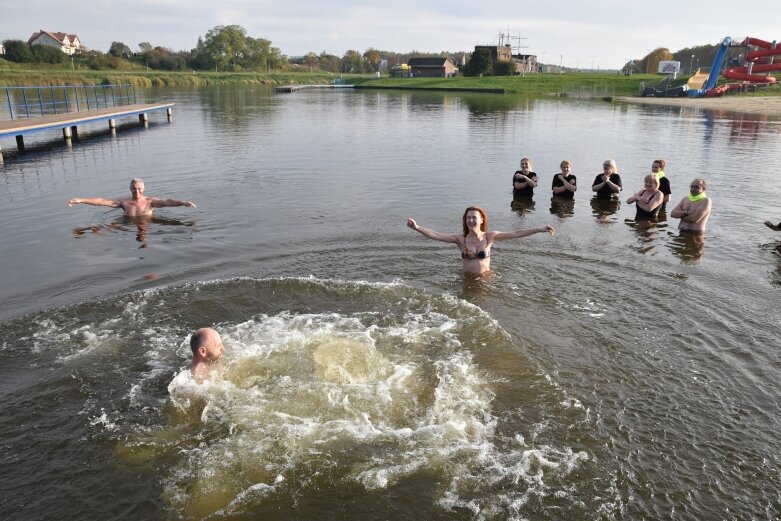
point(648, 234)
point(480, 105)
point(605, 209)
point(562, 206)
point(522, 205)
point(237, 106)
point(137, 225)
point(689, 246)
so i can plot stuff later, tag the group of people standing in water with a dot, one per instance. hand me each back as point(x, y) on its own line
point(476, 241)
point(693, 210)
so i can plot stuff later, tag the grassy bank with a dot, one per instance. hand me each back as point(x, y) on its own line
point(571, 84)
point(18, 76)
point(567, 84)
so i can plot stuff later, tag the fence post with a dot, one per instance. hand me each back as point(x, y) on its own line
point(40, 100)
point(76, 94)
point(10, 105)
point(26, 107)
point(67, 105)
point(54, 101)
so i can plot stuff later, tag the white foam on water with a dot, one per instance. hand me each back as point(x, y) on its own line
point(92, 339)
point(47, 333)
point(103, 421)
point(306, 401)
point(343, 398)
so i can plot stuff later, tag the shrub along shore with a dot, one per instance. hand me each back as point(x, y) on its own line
point(18, 76)
point(567, 84)
point(571, 84)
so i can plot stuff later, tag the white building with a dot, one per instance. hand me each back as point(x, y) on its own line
point(67, 43)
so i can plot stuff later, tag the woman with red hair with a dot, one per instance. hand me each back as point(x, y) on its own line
point(476, 241)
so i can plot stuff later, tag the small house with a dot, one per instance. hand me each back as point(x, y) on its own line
point(67, 43)
point(431, 67)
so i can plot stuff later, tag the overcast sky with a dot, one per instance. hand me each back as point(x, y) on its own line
point(599, 33)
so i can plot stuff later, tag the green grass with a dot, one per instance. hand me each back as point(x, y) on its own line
point(567, 84)
point(571, 84)
point(12, 74)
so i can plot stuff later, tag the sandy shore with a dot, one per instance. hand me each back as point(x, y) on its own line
point(765, 105)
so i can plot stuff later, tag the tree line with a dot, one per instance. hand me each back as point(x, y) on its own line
point(691, 58)
point(225, 48)
point(228, 48)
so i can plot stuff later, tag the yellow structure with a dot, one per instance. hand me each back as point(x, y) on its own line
point(698, 80)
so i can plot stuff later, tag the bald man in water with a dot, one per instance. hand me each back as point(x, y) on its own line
point(137, 205)
point(207, 348)
point(694, 209)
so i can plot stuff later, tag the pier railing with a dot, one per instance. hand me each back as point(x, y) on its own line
point(31, 102)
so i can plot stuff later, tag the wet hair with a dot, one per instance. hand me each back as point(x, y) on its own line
point(565, 162)
point(661, 162)
point(701, 181)
point(198, 339)
point(483, 225)
point(527, 160)
point(136, 180)
point(653, 179)
point(613, 166)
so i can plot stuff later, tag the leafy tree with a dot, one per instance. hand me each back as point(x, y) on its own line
point(145, 46)
point(650, 63)
point(49, 54)
point(353, 62)
point(18, 51)
point(311, 60)
point(479, 63)
point(329, 62)
point(228, 47)
point(164, 59)
point(225, 45)
point(120, 50)
point(504, 68)
point(372, 57)
point(95, 60)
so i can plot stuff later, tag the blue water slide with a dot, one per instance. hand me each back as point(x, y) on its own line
point(715, 70)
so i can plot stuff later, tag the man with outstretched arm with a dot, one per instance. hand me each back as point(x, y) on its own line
point(138, 205)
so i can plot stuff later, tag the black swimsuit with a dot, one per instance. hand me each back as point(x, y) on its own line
point(645, 215)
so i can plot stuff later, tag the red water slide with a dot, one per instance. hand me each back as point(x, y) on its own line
point(761, 60)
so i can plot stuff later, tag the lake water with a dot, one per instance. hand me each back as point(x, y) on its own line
point(612, 371)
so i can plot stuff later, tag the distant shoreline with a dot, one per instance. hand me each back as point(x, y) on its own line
point(764, 105)
point(435, 89)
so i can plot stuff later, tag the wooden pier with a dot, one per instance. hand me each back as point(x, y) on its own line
point(69, 122)
point(295, 88)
